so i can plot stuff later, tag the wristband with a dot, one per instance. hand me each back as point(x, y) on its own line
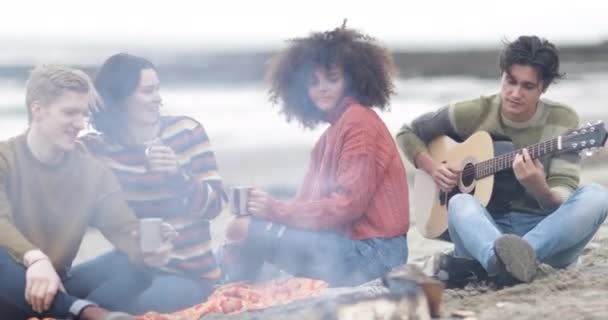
point(36, 260)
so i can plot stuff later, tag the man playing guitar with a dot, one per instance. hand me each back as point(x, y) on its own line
point(541, 214)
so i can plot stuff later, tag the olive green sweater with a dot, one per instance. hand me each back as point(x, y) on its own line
point(50, 207)
point(462, 119)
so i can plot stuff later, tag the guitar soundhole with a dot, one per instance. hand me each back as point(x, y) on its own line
point(467, 181)
point(468, 175)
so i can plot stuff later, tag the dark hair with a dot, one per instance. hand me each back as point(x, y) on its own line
point(536, 52)
point(368, 71)
point(116, 80)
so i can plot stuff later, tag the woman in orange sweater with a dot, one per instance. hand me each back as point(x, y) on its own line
point(348, 222)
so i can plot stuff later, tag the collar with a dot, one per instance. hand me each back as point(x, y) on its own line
point(334, 115)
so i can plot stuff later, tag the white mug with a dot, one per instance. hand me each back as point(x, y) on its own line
point(150, 234)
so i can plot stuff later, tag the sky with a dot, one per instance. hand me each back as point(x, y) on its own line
point(265, 23)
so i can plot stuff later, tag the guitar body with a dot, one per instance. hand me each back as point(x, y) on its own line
point(430, 206)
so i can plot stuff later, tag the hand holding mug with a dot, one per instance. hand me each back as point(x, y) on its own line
point(259, 203)
point(162, 158)
point(155, 238)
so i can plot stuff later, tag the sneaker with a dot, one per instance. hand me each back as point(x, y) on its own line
point(457, 272)
point(516, 257)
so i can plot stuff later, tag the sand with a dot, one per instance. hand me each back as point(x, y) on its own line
point(580, 292)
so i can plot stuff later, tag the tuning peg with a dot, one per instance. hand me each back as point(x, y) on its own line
point(588, 152)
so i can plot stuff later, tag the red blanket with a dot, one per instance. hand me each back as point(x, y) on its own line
point(240, 297)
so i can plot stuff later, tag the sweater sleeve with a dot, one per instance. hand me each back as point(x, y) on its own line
point(114, 218)
point(413, 139)
point(564, 170)
point(10, 237)
point(200, 180)
point(355, 184)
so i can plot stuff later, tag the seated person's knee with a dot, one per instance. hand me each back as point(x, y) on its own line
point(460, 199)
point(238, 229)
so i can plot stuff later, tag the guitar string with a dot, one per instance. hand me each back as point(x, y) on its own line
point(488, 165)
point(508, 158)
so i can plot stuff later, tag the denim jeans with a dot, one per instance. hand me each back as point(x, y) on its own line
point(557, 238)
point(313, 254)
point(109, 281)
point(170, 293)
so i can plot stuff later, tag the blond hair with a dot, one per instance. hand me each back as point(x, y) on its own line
point(48, 82)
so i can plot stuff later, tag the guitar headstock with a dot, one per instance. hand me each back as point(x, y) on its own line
point(588, 137)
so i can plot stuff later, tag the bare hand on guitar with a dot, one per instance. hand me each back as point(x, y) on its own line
point(445, 176)
point(530, 172)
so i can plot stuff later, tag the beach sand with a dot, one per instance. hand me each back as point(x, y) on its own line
point(578, 293)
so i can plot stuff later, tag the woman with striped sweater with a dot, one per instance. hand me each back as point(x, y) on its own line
point(167, 170)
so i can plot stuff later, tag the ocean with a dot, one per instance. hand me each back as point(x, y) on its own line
point(241, 116)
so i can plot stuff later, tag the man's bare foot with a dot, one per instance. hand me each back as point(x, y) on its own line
point(97, 313)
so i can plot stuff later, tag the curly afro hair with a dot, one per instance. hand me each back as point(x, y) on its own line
point(368, 70)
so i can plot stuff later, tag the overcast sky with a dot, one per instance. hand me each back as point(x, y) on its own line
point(221, 23)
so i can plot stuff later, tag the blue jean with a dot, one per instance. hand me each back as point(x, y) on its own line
point(170, 293)
point(557, 238)
point(313, 254)
point(110, 282)
point(166, 293)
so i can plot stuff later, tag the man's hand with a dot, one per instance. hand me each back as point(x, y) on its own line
point(161, 256)
point(530, 173)
point(41, 281)
point(445, 176)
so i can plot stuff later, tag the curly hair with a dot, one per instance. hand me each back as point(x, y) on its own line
point(539, 53)
point(368, 70)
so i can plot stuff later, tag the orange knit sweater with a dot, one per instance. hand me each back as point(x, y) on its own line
point(356, 183)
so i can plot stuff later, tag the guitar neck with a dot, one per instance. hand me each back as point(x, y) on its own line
point(505, 161)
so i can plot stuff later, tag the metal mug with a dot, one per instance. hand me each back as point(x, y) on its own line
point(238, 198)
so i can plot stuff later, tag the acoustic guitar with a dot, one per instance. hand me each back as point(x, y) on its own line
point(479, 161)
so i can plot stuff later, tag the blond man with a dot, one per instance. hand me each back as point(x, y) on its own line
point(51, 191)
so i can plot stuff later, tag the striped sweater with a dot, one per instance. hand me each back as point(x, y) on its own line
point(187, 201)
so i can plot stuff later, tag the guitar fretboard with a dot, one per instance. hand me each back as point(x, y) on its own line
point(505, 161)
